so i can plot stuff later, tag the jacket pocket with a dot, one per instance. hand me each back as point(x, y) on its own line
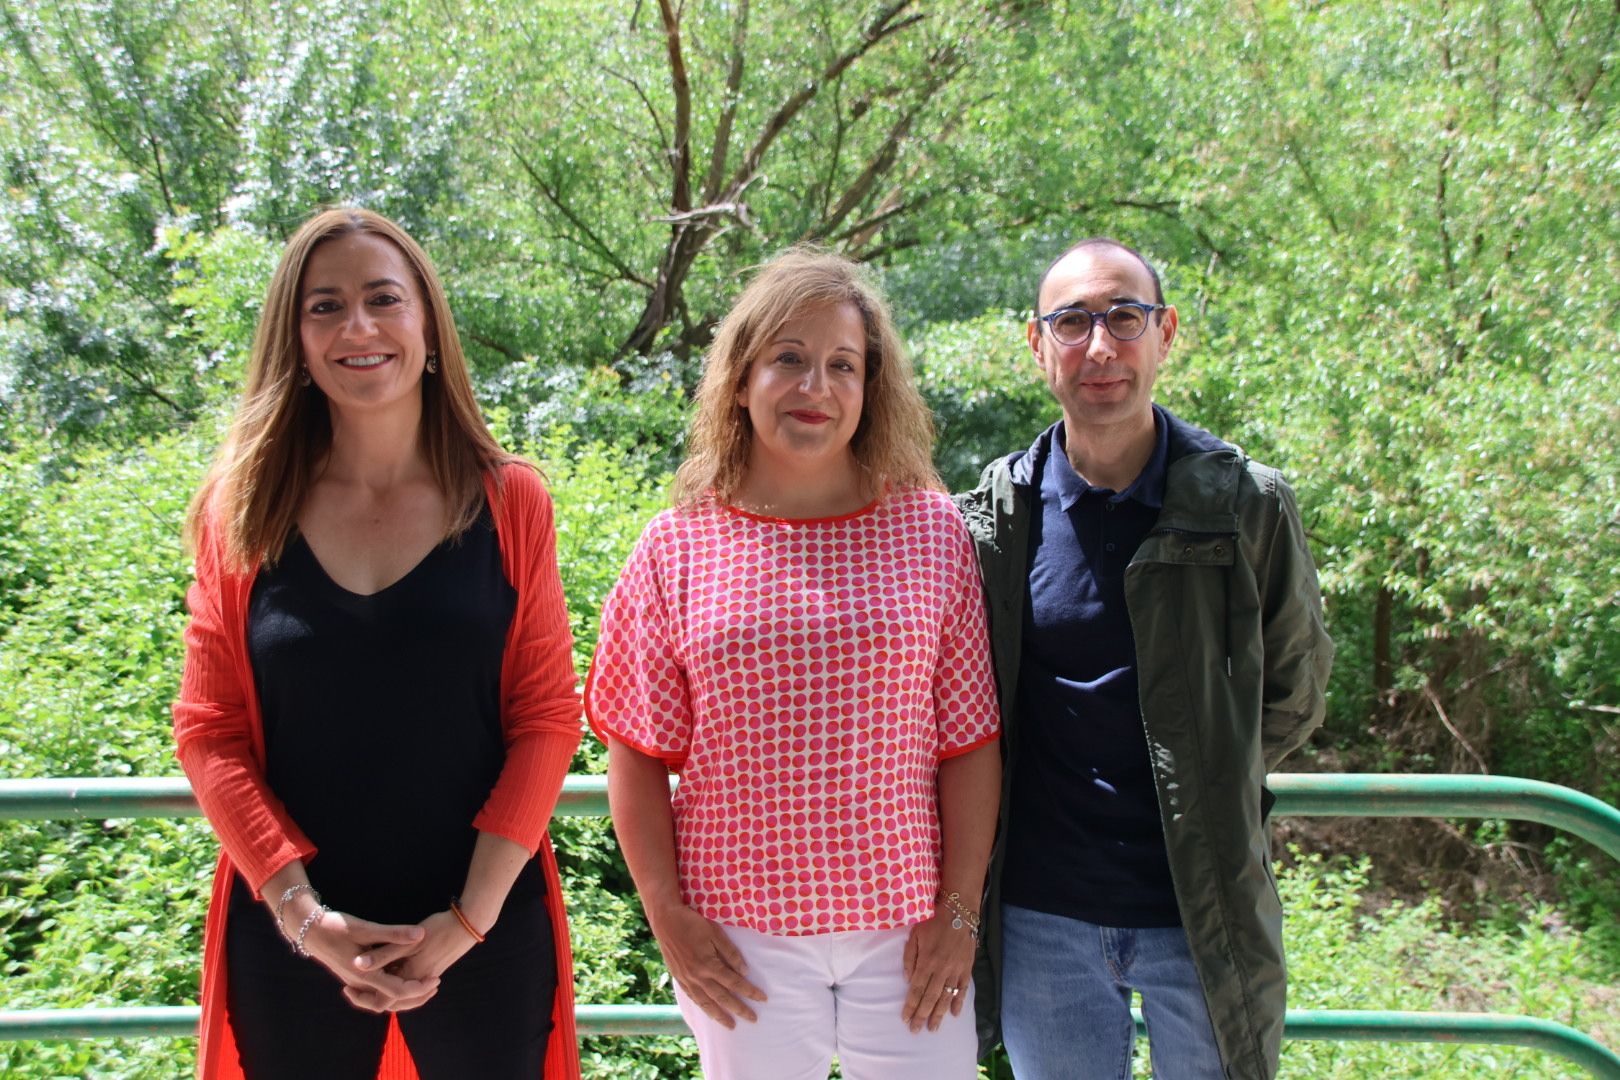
point(1189, 549)
point(1203, 550)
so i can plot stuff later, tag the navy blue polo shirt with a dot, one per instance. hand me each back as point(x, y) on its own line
point(1086, 840)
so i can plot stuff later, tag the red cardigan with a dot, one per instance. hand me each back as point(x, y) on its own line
point(219, 739)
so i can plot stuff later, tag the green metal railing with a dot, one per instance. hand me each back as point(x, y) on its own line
point(1298, 794)
point(1445, 795)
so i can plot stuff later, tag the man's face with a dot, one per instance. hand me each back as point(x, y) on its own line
point(1102, 382)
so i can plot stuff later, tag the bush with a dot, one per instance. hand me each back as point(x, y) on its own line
point(981, 382)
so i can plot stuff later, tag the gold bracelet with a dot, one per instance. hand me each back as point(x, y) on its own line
point(962, 917)
point(466, 923)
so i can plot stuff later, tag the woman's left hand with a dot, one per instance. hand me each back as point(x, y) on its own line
point(938, 958)
point(445, 942)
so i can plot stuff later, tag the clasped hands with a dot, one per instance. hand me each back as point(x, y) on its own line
point(385, 967)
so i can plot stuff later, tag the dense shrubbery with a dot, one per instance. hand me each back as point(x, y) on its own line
point(1350, 949)
point(97, 913)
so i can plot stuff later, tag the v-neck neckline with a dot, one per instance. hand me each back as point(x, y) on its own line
point(326, 576)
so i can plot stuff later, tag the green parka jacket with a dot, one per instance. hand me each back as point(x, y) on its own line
point(1232, 660)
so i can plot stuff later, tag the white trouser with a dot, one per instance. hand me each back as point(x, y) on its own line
point(830, 994)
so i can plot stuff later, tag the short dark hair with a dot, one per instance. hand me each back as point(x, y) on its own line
point(1100, 242)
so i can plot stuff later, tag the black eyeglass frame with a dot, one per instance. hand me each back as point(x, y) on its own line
point(1100, 316)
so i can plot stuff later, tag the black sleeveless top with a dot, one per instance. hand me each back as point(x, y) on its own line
point(381, 716)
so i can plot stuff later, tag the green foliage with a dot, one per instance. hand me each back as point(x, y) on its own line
point(117, 117)
point(604, 496)
point(96, 913)
point(672, 152)
point(1425, 341)
point(219, 281)
point(88, 660)
point(1344, 952)
point(558, 409)
point(985, 390)
point(337, 115)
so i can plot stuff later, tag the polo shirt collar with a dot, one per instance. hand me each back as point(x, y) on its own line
point(1147, 488)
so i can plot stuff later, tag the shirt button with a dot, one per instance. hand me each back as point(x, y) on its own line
point(1110, 506)
point(1187, 550)
point(1110, 547)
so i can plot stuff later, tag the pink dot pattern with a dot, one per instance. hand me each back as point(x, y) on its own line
point(805, 678)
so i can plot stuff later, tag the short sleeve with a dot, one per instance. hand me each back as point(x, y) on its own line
point(636, 693)
point(964, 683)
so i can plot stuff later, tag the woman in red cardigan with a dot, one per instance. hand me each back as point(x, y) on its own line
point(378, 706)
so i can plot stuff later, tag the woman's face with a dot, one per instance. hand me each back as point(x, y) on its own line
point(362, 323)
point(805, 388)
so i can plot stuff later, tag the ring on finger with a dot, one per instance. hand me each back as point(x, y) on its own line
point(953, 990)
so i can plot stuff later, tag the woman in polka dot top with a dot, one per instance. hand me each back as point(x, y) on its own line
point(801, 639)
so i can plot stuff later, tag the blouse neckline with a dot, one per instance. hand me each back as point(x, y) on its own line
point(772, 520)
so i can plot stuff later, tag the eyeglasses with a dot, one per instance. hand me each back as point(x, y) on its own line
point(1073, 325)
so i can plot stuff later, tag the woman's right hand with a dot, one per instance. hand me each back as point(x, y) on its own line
point(705, 964)
point(336, 938)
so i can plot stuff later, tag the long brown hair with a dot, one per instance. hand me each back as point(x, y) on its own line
point(894, 440)
point(282, 430)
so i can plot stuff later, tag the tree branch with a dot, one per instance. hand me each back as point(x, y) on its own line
point(596, 244)
point(658, 125)
point(883, 160)
point(835, 154)
point(1440, 711)
point(490, 343)
point(891, 208)
point(680, 149)
point(728, 110)
point(1550, 37)
point(736, 210)
point(1457, 347)
point(886, 24)
point(883, 250)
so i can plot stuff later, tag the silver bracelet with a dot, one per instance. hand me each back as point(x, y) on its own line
point(286, 898)
point(309, 920)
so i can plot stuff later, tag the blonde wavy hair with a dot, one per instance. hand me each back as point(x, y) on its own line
point(282, 430)
point(894, 440)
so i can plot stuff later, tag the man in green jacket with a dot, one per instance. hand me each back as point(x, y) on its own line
point(1158, 640)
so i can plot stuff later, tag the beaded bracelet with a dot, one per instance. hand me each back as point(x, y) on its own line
point(309, 920)
point(961, 916)
point(466, 923)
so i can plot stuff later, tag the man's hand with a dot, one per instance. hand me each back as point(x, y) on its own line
point(706, 965)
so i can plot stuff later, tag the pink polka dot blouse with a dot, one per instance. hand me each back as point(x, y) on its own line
point(805, 678)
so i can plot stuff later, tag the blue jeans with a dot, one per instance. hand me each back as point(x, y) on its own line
point(1066, 995)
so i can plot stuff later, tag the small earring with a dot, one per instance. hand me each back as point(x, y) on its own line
point(303, 375)
point(433, 363)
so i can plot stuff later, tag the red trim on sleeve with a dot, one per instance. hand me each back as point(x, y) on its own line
point(958, 751)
